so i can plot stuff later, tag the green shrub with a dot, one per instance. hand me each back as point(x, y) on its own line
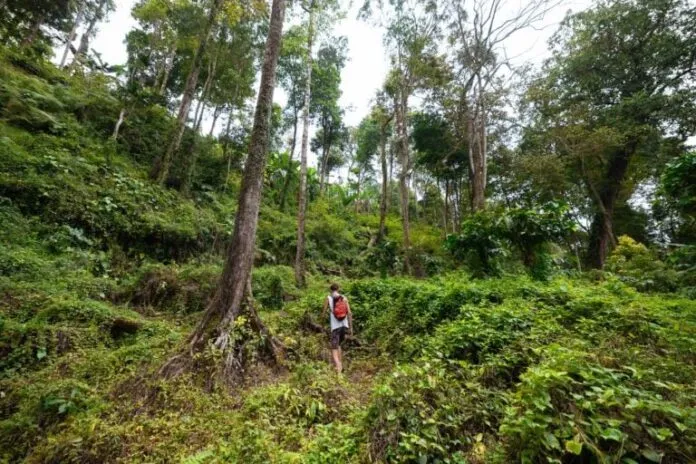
point(481, 241)
point(570, 405)
point(423, 413)
point(637, 266)
point(177, 289)
point(273, 285)
point(487, 236)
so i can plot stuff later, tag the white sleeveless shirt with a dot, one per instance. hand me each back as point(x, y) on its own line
point(335, 323)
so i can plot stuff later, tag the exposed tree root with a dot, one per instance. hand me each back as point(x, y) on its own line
point(219, 350)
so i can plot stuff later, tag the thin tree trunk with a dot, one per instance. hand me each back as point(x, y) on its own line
point(286, 183)
point(216, 114)
point(391, 175)
point(326, 146)
point(446, 209)
point(168, 66)
point(212, 67)
point(219, 318)
point(302, 206)
point(385, 181)
point(69, 39)
point(28, 41)
point(117, 128)
point(477, 159)
point(191, 164)
point(404, 159)
point(199, 117)
point(324, 174)
point(225, 150)
point(160, 170)
point(357, 196)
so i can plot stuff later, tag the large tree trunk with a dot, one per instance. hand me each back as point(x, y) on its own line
point(286, 182)
point(602, 231)
point(160, 170)
point(220, 315)
point(385, 182)
point(302, 206)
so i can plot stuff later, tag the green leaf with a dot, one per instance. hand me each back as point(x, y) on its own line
point(612, 434)
point(574, 447)
point(40, 353)
point(651, 455)
point(551, 441)
point(663, 433)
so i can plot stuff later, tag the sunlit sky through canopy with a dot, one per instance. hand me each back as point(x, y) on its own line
point(367, 57)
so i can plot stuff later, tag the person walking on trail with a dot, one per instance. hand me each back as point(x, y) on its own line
point(341, 321)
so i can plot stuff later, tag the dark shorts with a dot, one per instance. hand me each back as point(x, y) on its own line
point(337, 336)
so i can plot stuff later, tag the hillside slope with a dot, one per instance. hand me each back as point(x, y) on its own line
point(103, 274)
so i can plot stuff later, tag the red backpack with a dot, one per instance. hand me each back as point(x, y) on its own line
point(340, 307)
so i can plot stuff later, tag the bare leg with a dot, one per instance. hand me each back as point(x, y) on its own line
point(337, 360)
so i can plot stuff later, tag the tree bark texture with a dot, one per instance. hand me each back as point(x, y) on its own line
point(602, 230)
point(117, 128)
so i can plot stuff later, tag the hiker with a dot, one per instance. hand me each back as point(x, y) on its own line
point(341, 320)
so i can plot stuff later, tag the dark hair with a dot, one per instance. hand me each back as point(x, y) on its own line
point(334, 287)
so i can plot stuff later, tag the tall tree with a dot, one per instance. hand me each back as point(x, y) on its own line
point(322, 13)
point(302, 197)
point(326, 91)
point(160, 170)
point(72, 35)
point(222, 312)
point(618, 99)
point(372, 137)
point(412, 30)
point(292, 75)
point(95, 14)
point(478, 32)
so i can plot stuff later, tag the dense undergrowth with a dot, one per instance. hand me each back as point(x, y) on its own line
point(103, 275)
